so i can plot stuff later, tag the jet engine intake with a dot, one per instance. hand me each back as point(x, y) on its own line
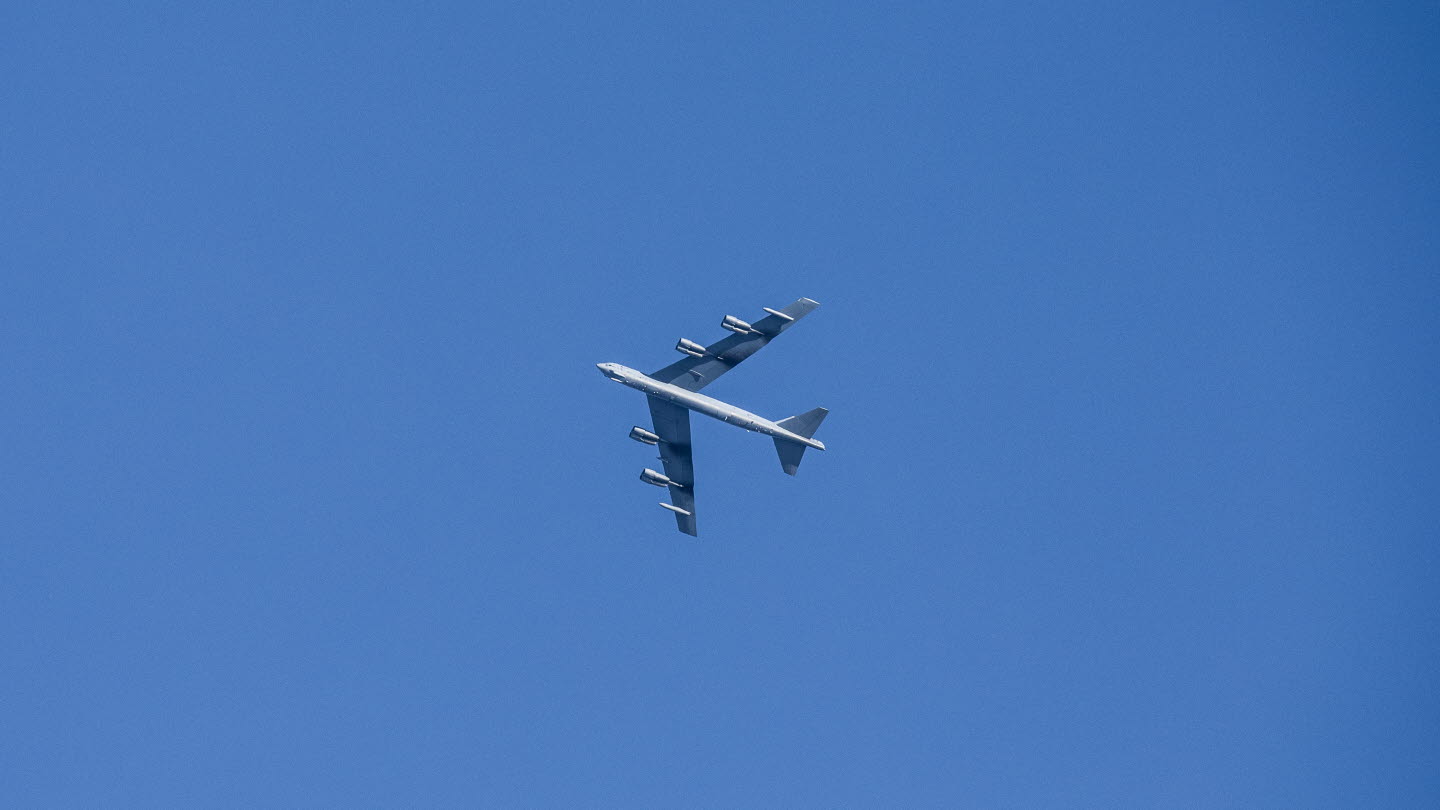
point(690, 347)
point(738, 326)
point(649, 476)
point(643, 436)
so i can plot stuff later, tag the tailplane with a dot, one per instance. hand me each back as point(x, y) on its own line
point(803, 425)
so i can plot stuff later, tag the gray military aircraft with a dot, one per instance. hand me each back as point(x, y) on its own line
point(672, 394)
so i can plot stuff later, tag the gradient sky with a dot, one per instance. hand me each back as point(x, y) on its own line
point(311, 495)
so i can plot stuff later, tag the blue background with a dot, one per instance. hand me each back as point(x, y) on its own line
point(311, 494)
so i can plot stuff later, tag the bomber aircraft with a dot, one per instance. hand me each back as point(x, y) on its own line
point(673, 393)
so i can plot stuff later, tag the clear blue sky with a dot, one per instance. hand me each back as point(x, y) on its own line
point(311, 495)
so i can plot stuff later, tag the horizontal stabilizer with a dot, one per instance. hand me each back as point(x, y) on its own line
point(803, 425)
point(790, 454)
point(806, 423)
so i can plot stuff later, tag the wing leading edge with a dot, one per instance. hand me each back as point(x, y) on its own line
point(672, 425)
point(694, 373)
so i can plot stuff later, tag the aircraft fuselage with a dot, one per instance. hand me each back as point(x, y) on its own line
point(699, 403)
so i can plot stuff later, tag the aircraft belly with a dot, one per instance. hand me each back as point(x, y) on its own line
point(713, 408)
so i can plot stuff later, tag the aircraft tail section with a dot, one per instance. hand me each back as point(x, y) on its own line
point(803, 425)
point(806, 423)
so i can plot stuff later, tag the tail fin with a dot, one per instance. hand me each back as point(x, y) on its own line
point(804, 425)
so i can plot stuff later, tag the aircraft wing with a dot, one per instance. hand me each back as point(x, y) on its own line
point(694, 373)
point(672, 425)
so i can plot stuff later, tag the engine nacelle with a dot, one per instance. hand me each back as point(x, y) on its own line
point(643, 436)
point(737, 326)
point(649, 476)
point(690, 347)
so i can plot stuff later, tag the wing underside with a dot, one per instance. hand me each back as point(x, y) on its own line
point(694, 373)
point(672, 425)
